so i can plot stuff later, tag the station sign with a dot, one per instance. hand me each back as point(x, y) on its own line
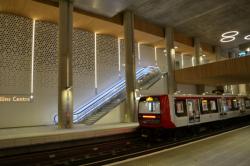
point(16, 98)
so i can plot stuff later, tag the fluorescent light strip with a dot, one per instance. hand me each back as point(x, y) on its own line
point(156, 56)
point(139, 53)
point(193, 61)
point(119, 55)
point(32, 59)
point(95, 64)
point(67, 72)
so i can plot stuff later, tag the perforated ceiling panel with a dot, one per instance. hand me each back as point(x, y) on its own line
point(15, 54)
point(46, 63)
point(83, 66)
point(107, 61)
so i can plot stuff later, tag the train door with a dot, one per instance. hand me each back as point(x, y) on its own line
point(193, 111)
point(241, 103)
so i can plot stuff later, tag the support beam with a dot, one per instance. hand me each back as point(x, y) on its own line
point(198, 53)
point(65, 96)
point(128, 23)
point(169, 37)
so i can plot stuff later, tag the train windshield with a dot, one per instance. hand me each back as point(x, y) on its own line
point(149, 106)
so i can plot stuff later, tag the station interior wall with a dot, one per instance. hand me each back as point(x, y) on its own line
point(18, 45)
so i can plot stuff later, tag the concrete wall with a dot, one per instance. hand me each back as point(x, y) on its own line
point(16, 57)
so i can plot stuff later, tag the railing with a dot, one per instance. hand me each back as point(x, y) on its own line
point(104, 97)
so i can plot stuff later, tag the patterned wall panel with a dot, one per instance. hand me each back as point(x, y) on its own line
point(107, 61)
point(15, 54)
point(83, 66)
point(46, 64)
point(147, 55)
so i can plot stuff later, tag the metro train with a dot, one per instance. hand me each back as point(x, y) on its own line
point(177, 111)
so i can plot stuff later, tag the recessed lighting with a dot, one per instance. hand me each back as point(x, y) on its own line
point(228, 36)
point(247, 37)
point(176, 47)
point(203, 55)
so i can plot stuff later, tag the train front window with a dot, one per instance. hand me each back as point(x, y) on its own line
point(149, 107)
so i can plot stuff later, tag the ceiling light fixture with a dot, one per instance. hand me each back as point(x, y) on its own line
point(247, 37)
point(176, 47)
point(228, 36)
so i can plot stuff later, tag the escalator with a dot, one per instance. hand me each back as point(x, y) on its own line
point(104, 102)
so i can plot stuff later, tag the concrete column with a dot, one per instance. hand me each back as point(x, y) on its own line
point(169, 37)
point(198, 52)
point(65, 96)
point(242, 89)
point(128, 23)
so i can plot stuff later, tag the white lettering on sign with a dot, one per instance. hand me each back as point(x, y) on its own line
point(15, 99)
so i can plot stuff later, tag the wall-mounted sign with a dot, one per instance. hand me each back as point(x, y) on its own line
point(15, 98)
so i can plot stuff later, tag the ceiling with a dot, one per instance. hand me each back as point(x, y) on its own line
point(206, 19)
point(101, 23)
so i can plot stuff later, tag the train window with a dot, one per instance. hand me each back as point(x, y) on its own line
point(204, 106)
point(213, 105)
point(180, 108)
point(247, 103)
point(149, 107)
point(235, 104)
point(229, 104)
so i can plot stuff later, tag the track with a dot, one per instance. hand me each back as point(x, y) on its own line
point(100, 151)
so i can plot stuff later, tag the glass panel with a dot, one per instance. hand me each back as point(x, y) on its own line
point(149, 107)
point(204, 105)
point(213, 105)
point(180, 108)
point(229, 104)
point(247, 103)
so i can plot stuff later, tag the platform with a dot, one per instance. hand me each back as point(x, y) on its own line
point(15, 137)
point(227, 149)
